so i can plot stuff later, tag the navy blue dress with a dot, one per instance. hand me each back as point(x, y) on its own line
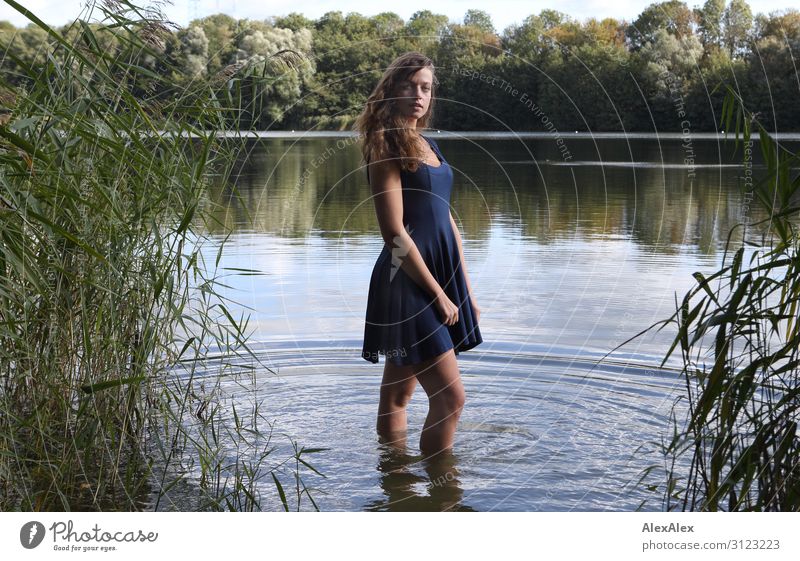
point(402, 323)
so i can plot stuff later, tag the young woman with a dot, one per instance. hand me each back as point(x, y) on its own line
point(421, 310)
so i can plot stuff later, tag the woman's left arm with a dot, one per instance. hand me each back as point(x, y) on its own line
point(464, 264)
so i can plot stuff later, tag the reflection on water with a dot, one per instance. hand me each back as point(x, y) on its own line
point(538, 432)
point(643, 189)
point(438, 490)
point(567, 259)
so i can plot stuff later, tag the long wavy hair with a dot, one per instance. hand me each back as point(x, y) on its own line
point(381, 127)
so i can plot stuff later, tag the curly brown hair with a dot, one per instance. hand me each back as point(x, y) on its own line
point(381, 128)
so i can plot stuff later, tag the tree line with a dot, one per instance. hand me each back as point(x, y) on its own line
point(656, 73)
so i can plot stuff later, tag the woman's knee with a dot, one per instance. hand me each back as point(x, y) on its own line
point(452, 398)
point(398, 386)
point(397, 395)
point(442, 382)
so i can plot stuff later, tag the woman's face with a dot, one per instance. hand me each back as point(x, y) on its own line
point(414, 94)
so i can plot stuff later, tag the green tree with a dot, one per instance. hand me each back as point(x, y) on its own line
point(709, 19)
point(673, 16)
point(460, 41)
point(29, 44)
point(267, 91)
point(221, 31)
point(293, 21)
point(780, 24)
point(533, 38)
point(350, 52)
point(738, 22)
point(388, 24)
point(770, 89)
point(670, 67)
point(588, 90)
point(427, 24)
point(194, 45)
point(481, 20)
point(553, 18)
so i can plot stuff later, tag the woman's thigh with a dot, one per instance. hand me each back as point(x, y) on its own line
point(398, 381)
point(439, 376)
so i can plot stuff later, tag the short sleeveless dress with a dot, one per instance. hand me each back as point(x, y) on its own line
point(402, 323)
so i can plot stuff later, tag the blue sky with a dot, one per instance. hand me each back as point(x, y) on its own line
point(503, 12)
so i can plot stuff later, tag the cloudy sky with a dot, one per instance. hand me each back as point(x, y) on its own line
point(503, 12)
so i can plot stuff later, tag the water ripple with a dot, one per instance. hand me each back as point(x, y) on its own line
point(538, 432)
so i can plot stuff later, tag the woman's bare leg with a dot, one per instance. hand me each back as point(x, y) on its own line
point(397, 388)
point(441, 380)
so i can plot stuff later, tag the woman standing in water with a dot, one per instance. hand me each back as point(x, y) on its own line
point(421, 310)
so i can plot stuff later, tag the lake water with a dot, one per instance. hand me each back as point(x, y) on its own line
point(570, 252)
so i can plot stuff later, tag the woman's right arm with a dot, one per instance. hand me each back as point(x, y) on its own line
point(388, 197)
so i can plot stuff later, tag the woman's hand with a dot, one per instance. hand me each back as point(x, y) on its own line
point(476, 308)
point(447, 310)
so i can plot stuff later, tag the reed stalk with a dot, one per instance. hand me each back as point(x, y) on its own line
point(736, 448)
point(109, 313)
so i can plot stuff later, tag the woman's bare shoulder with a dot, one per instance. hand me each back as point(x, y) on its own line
point(382, 172)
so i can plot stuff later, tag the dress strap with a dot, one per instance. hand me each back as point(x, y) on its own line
point(435, 147)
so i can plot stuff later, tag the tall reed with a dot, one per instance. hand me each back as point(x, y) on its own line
point(108, 310)
point(738, 334)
